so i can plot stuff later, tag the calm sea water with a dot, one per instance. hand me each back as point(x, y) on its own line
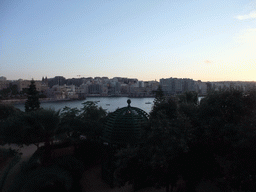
point(110, 104)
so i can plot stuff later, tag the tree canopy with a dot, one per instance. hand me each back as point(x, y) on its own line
point(31, 128)
point(212, 140)
point(32, 102)
point(86, 121)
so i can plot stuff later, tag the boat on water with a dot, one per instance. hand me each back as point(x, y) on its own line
point(107, 104)
point(148, 103)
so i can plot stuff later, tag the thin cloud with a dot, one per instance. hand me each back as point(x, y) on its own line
point(207, 62)
point(251, 15)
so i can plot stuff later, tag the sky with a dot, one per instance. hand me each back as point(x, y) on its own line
point(208, 40)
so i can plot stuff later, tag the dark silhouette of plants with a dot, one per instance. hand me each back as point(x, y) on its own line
point(32, 102)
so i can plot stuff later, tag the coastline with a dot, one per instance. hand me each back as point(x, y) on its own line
point(42, 100)
point(49, 100)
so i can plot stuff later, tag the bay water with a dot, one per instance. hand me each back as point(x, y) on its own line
point(110, 104)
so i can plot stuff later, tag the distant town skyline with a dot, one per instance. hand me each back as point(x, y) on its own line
point(145, 39)
point(79, 77)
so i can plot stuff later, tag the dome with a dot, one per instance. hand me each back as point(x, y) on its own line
point(125, 125)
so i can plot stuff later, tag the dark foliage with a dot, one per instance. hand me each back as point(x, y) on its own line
point(228, 120)
point(188, 97)
point(33, 98)
point(9, 92)
point(89, 152)
point(213, 140)
point(87, 121)
point(31, 128)
point(164, 109)
point(7, 111)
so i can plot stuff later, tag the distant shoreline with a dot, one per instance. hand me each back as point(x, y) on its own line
point(42, 100)
point(49, 100)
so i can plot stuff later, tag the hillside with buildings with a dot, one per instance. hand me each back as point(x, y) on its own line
point(60, 88)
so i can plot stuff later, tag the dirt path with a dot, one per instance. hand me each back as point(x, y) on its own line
point(27, 152)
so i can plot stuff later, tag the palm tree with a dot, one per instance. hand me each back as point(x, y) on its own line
point(43, 124)
point(35, 127)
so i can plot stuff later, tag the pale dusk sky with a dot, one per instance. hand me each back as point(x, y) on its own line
point(208, 40)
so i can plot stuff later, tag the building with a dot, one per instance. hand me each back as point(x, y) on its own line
point(24, 84)
point(172, 86)
point(201, 87)
point(4, 83)
point(95, 89)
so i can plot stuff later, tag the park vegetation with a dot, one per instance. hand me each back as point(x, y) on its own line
point(213, 140)
point(32, 102)
point(185, 139)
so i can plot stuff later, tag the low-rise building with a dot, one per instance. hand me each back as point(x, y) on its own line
point(201, 87)
point(24, 84)
point(171, 86)
point(4, 83)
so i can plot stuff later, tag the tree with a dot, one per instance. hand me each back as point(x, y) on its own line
point(93, 118)
point(159, 96)
point(4, 93)
point(71, 123)
point(87, 121)
point(154, 163)
point(133, 166)
point(212, 140)
point(33, 98)
point(7, 111)
point(14, 89)
point(167, 108)
point(12, 130)
point(31, 128)
point(164, 109)
point(189, 97)
point(44, 124)
point(228, 119)
point(90, 111)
